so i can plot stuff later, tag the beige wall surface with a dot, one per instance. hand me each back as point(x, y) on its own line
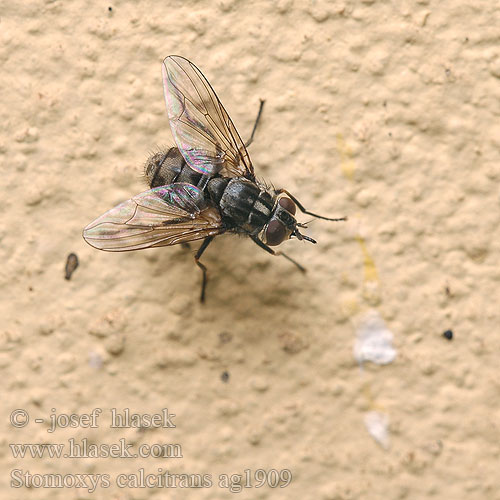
point(384, 111)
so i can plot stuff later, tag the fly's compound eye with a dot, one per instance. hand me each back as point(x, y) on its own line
point(288, 205)
point(275, 233)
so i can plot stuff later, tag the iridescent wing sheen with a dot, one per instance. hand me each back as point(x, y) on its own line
point(166, 215)
point(203, 131)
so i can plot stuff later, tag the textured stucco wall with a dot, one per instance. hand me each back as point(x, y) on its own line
point(385, 111)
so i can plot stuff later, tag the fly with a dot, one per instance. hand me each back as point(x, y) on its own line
point(202, 188)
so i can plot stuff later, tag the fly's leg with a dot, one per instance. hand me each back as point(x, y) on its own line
point(203, 268)
point(272, 252)
point(302, 209)
point(256, 123)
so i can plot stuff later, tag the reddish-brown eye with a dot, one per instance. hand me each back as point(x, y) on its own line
point(288, 205)
point(275, 233)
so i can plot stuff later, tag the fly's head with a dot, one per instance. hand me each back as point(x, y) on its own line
point(283, 225)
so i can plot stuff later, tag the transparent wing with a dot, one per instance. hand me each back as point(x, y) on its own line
point(203, 131)
point(162, 216)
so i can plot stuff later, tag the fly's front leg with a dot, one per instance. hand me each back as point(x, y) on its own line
point(203, 268)
point(256, 123)
point(272, 252)
point(303, 210)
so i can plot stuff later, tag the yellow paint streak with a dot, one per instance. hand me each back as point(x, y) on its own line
point(372, 404)
point(369, 265)
point(347, 164)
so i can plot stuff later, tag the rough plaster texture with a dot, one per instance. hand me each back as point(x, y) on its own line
point(385, 111)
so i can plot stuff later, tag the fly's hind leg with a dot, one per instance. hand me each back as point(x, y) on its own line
point(203, 268)
point(267, 248)
point(303, 210)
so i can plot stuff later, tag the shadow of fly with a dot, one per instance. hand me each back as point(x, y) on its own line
point(202, 188)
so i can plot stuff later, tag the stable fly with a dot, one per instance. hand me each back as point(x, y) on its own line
point(202, 188)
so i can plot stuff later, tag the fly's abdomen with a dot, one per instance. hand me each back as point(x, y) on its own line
point(168, 166)
point(245, 205)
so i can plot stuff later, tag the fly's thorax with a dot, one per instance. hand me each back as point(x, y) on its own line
point(245, 205)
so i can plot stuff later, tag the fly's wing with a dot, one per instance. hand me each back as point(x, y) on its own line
point(203, 131)
point(162, 216)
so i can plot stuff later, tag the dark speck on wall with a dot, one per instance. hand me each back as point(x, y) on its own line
point(448, 334)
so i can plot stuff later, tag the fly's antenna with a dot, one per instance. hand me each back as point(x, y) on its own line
point(304, 224)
